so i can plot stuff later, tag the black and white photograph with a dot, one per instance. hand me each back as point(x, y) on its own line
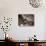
point(26, 19)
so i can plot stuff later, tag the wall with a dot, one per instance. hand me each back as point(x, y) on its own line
point(11, 8)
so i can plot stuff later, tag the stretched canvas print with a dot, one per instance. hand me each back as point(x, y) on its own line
point(26, 19)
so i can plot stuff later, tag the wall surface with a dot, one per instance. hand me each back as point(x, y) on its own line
point(11, 8)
